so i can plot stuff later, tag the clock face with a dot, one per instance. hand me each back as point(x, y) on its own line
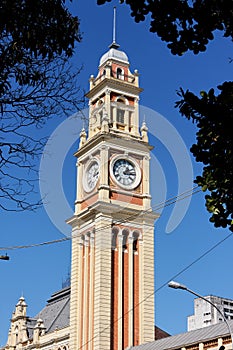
point(91, 175)
point(125, 172)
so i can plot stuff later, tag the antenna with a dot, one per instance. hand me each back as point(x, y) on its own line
point(114, 45)
point(114, 25)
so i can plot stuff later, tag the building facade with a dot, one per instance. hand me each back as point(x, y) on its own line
point(110, 305)
point(48, 330)
point(206, 314)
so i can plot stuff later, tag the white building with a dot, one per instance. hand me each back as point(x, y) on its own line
point(206, 314)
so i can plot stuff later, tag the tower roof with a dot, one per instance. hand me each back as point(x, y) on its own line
point(114, 53)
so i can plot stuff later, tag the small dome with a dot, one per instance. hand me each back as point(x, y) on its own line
point(21, 301)
point(114, 54)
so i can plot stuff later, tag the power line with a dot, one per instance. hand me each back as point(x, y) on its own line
point(158, 206)
point(194, 261)
point(36, 244)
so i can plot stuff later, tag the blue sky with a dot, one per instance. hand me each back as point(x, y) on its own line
point(38, 272)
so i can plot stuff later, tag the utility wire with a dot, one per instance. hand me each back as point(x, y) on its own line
point(36, 244)
point(158, 206)
point(194, 261)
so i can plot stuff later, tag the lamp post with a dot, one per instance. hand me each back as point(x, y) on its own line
point(177, 285)
point(4, 257)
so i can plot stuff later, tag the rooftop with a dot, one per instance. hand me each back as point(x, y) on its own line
point(186, 339)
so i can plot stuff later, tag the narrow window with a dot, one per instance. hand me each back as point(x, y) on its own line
point(135, 241)
point(120, 116)
point(114, 238)
point(119, 73)
point(125, 234)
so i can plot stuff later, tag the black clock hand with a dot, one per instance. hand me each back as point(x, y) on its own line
point(129, 172)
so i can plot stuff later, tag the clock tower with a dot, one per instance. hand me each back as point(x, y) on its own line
point(112, 275)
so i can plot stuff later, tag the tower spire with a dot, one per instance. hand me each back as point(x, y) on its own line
point(114, 44)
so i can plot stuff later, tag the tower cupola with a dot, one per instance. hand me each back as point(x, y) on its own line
point(114, 54)
point(114, 94)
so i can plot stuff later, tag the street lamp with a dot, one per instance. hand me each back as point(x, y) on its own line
point(176, 285)
point(4, 257)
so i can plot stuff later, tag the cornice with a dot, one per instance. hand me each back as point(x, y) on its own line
point(114, 84)
point(113, 137)
point(115, 212)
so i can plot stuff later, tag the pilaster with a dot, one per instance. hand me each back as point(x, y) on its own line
point(120, 288)
point(131, 292)
point(103, 187)
point(76, 291)
point(147, 283)
point(102, 284)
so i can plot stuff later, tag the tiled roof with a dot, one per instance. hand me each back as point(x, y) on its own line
point(56, 314)
point(188, 338)
point(160, 333)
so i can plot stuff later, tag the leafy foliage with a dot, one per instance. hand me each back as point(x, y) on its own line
point(37, 38)
point(214, 118)
point(185, 25)
point(31, 30)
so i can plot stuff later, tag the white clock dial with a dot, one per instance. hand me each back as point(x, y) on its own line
point(91, 175)
point(125, 172)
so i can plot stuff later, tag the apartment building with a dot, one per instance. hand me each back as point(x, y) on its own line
point(206, 314)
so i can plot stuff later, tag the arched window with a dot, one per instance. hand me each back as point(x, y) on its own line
point(82, 239)
point(125, 234)
point(119, 73)
point(115, 232)
point(16, 334)
point(135, 240)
